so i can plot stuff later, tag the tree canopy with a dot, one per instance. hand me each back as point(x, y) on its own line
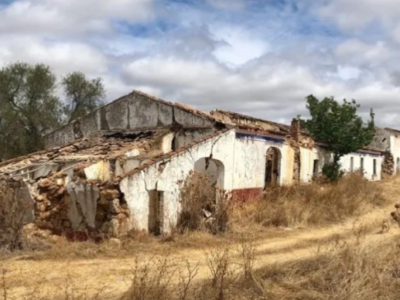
point(82, 95)
point(338, 126)
point(30, 106)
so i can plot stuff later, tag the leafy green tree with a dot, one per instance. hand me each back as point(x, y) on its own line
point(82, 95)
point(338, 127)
point(28, 108)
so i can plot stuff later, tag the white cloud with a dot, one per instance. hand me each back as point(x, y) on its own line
point(363, 54)
point(240, 45)
point(356, 14)
point(190, 58)
point(63, 57)
point(70, 16)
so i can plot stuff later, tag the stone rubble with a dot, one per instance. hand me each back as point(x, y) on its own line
point(388, 165)
point(65, 201)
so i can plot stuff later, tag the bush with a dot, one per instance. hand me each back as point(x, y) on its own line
point(203, 206)
point(332, 171)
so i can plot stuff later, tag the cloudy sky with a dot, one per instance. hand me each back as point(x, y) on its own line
point(257, 57)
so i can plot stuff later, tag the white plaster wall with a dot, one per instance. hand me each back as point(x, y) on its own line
point(172, 176)
point(345, 161)
point(307, 163)
point(325, 157)
point(250, 160)
point(166, 143)
point(395, 150)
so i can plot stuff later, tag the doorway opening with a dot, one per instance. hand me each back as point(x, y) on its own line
point(272, 167)
point(156, 212)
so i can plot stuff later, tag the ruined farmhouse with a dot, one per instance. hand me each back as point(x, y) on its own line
point(122, 166)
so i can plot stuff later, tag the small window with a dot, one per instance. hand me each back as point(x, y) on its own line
point(174, 143)
point(362, 164)
point(351, 164)
point(374, 166)
point(316, 167)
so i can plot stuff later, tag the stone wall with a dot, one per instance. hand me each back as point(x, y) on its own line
point(381, 140)
point(136, 111)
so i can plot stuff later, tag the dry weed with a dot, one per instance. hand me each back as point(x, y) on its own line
point(12, 214)
point(202, 206)
point(152, 279)
point(313, 204)
point(348, 271)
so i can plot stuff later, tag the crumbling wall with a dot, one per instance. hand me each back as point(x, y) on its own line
point(186, 137)
point(296, 163)
point(239, 119)
point(167, 176)
point(77, 205)
point(388, 165)
point(136, 111)
point(381, 140)
point(250, 160)
point(82, 198)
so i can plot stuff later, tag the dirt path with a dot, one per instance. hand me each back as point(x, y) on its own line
point(113, 275)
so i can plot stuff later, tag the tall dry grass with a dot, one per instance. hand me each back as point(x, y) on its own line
point(12, 213)
point(203, 207)
point(314, 204)
point(359, 271)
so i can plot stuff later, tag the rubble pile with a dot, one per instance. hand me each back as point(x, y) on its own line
point(84, 150)
point(64, 201)
point(80, 207)
point(113, 217)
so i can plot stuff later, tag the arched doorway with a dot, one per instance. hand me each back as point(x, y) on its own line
point(214, 169)
point(213, 181)
point(272, 167)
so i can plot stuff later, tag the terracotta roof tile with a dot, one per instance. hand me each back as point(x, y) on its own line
point(282, 127)
point(176, 152)
point(262, 132)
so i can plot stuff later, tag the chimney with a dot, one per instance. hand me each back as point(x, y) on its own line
point(295, 129)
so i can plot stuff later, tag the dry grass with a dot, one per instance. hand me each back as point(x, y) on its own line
point(348, 271)
point(313, 204)
point(202, 206)
point(354, 270)
point(12, 214)
point(227, 277)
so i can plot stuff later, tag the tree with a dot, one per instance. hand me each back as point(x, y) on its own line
point(83, 95)
point(338, 127)
point(28, 107)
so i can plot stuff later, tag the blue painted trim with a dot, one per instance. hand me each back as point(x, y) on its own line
point(240, 135)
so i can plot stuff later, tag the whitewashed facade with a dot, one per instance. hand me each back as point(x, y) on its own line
point(237, 163)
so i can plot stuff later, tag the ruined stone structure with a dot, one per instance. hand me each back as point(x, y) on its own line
point(122, 167)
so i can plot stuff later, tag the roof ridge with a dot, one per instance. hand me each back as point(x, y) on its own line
point(248, 117)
